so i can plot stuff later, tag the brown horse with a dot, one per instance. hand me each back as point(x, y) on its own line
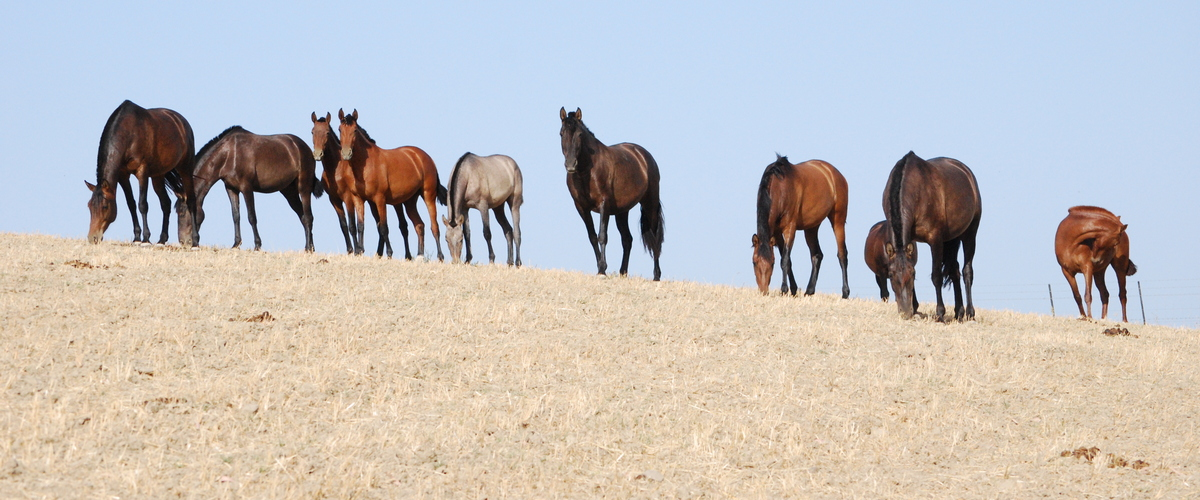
point(877, 260)
point(250, 163)
point(1087, 241)
point(150, 144)
point(793, 198)
point(391, 177)
point(610, 180)
point(937, 202)
point(336, 177)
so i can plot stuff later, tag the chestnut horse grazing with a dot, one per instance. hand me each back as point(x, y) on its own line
point(250, 163)
point(610, 180)
point(390, 177)
point(937, 202)
point(484, 183)
point(877, 260)
point(336, 177)
point(1088, 240)
point(151, 144)
point(792, 198)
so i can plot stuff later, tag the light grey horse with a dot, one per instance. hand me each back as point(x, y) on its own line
point(484, 183)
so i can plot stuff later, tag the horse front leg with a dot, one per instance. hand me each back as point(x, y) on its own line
point(403, 225)
point(340, 208)
point(361, 223)
point(487, 232)
point(137, 229)
point(379, 211)
point(626, 240)
point(785, 243)
point(144, 208)
point(936, 249)
point(592, 238)
point(602, 241)
point(814, 250)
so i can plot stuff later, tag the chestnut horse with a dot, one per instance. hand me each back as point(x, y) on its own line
point(390, 177)
point(793, 198)
point(877, 260)
point(336, 178)
point(1087, 241)
point(151, 144)
point(937, 202)
point(610, 180)
point(250, 163)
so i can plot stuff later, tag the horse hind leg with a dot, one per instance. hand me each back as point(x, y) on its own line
point(626, 240)
point(838, 221)
point(252, 216)
point(418, 225)
point(304, 212)
point(950, 272)
point(164, 202)
point(515, 206)
point(507, 228)
point(403, 225)
point(814, 250)
point(1098, 276)
point(1122, 270)
point(431, 205)
point(379, 211)
point(968, 266)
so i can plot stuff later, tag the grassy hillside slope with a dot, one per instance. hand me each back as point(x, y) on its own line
point(139, 372)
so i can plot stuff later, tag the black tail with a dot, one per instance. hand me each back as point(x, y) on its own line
point(441, 193)
point(174, 181)
point(318, 187)
point(1132, 269)
point(652, 223)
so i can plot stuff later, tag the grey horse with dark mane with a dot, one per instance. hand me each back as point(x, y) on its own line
point(484, 183)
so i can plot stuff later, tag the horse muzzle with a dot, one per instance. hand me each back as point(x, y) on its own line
point(318, 155)
point(347, 153)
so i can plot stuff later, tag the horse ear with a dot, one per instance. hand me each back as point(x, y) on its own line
point(578, 114)
point(459, 219)
point(890, 250)
point(754, 240)
point(910, 249)
point(562, 113)
point(445, 221)
point(314, 117)
point(772, 242)
point(91, 187)
point(1124, 227)
point(355, 114)
point(341, 115)
point(328, 118)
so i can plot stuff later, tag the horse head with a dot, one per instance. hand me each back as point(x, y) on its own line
point(764, 261)
point(103, 207)
point(900, 249)
point(321, 131)
point(454, 237)
point(349, 132)
point(572, 133)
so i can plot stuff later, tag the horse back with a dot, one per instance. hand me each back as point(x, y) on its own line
point(873, 250)
point(493, 179)
point(272, 162)
point(951, 201)
point(1089, 237)
point(821, 191)
point(403, 172)
point(631, 172)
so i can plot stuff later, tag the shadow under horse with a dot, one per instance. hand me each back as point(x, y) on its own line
point(610, 180)
point(936, 202)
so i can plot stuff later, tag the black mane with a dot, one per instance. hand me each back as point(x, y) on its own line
point(454, 182)
point(107, 136)
point(204, 150)
point(895, 182)
point(779, 168)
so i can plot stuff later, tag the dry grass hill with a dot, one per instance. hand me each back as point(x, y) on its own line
point(136, 372)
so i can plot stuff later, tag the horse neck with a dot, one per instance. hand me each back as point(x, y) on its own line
point(332, 151)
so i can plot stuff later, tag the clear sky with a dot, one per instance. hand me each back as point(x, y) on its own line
point(1051, 104)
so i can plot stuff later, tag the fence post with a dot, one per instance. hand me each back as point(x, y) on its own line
point(1051, 299)
point(1141, 302)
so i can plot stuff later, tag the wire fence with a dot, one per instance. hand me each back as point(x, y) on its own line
point(1172, 302)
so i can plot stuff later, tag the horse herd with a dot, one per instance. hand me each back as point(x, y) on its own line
point(933, 201)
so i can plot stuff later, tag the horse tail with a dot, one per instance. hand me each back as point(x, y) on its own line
point(1132, 269)
point(652, 221)
point(949, 270)
point(318, 187)
point(441, 193)
point(174, 180)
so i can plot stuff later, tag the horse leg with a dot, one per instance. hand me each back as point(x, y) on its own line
point(360, 216)
point(137, 229)
point(507, 228)
point(403, 224)
point(379, 211)
point(341, 214)
point(1075, 291)
point(936, 253)
point(164, 202)
point(431, 205)
point(487, 233)
point(1098, 276)
point(144, 208)
point(466, 228)
point(418, 224)
point(950, 265)
point(785, 243)
point(592, 237)
point(296, 201)
point(235, 205)
point(968, 267)
point(1087, 283)
point(838, 221)
point(1122, 269)
point(814, 250)
point(626, 240)
point(602, 241)
point(252, 216)
point(882, 281)
point(516, 213)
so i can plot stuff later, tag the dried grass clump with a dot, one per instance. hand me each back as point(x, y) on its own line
point(372, 378)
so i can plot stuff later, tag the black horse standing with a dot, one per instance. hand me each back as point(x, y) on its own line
point(610, 180)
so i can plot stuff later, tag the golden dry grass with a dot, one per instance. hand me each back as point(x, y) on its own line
point(132, 372)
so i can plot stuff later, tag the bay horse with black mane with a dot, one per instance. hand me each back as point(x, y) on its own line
point(337, 178)
point(1088, 240)
point(389, 177)
point(248, 163)
point(793, 198)
point(154, 145)
point(610, 180)
point(936, 202)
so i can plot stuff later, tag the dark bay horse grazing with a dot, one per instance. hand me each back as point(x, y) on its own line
point(792, 198)
point(875, 252)
point(937, 202)
point(1087, 241)
point(248, 163)
point(484, 183)
point(610, 180)
point(153, 145)
point(336, 177)
point(389, 177)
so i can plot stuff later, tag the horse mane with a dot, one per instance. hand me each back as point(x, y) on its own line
point(895, 182)
point(454, 182)
point(779, 168)
point(212, 142)
point(106, 136)
point(588, 136)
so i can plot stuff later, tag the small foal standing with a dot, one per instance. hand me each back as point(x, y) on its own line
point(798, 197)
point(484, 183)
point(1087, 241)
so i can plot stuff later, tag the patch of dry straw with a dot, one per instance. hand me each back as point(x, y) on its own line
point(138, 372)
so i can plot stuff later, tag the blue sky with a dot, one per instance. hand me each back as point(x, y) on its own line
point(1051, 104)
